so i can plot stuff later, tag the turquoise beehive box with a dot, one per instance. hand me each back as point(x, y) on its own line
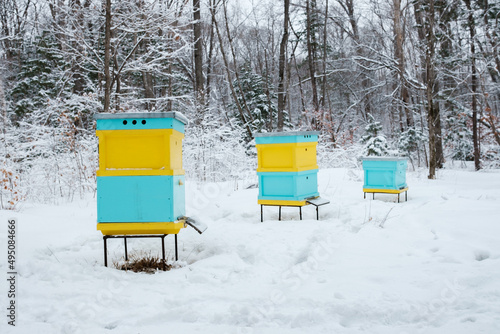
point(288, 186)
point(385, 175)
point(140, 199)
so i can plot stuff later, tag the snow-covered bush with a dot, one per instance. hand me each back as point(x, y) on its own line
point(410, 143)
point(11, 193)
point(49, 158)
point(458, 138)
point(375, 144)
point(490, 156)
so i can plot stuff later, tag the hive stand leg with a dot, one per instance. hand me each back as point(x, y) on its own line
point(163, 250)
point(105, 251)
point(261, 214)
point(126, 252)
point(300, 212)
point(364, 195)
point(317, 213)
point(373, 195)
point(176, 252)
point(398, 197)
point(406, 196)
point(279, 217)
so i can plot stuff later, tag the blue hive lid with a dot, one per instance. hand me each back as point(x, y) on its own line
point(384, 158)
point(287, 134)
point(141, 121)
point(286, 137)
point(171, 114)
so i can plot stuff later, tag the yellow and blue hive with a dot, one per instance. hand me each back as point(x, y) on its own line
point(140, 180)
point(287, 167)
point(385, 175)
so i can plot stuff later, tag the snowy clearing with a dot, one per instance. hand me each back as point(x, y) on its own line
point(430, 265)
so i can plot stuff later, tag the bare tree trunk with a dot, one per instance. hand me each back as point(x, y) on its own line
point(325, 53)
point(311, 52)
point(5, 12)
point(147, 79)
point(3, 104)
point(428, 39)
point(210, 53)
point(287, 86)
point(301, 90)
point(116, 78)
point(493, 40)
point(269, 121)
point(282, 65)
point(198, 61)
point(170, 88)
point(78, 78)
point(472, 32)
point(431, 112)
point(399, 55)
point(107, 56)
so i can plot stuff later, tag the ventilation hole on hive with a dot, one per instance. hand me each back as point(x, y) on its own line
point(134, 122)
point(125, 122)
point(143, 121)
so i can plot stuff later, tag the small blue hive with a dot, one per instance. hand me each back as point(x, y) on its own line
point(385, 174)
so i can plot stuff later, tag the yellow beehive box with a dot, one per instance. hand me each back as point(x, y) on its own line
point(140, 152)
point(286, 151)
point(286, 157)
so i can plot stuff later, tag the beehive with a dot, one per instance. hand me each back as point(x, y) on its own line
point(140, 181)
point(384, 174)
point(287, 167)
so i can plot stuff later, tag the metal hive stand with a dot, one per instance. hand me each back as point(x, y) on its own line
point(125, 237)
point(198, 226)
point(317, 202)
point(387, 191)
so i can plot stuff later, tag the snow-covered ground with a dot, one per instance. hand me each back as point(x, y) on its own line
point(430, 265)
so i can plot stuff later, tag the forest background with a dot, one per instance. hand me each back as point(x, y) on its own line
point(416, 78)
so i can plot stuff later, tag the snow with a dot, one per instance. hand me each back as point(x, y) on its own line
point(429, 265)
